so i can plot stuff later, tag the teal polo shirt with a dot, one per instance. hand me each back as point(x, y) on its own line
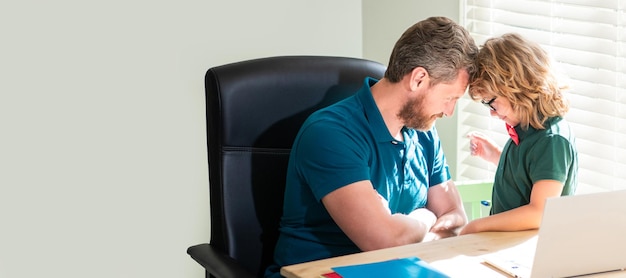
point(341, 144)
point(542, 154)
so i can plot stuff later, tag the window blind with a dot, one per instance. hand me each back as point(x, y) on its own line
point(587, 40)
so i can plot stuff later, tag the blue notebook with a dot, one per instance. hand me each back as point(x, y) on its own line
point(411, 267)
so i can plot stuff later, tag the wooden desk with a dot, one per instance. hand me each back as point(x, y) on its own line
point(457, 256)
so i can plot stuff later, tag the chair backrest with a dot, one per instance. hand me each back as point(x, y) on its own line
point(254, 110)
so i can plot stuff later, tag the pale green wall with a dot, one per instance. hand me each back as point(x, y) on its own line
point(103, 155)
point(384, 22)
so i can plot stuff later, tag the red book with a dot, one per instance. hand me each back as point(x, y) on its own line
point(331, 275)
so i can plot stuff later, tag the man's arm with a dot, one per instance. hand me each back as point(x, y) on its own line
point(445, 202)
point(358, 210)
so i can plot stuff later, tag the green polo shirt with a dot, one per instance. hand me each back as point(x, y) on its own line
point(542, 154)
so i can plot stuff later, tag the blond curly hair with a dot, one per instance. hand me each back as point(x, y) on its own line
point(519, 70)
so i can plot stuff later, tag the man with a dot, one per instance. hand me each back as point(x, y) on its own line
point(368, 172)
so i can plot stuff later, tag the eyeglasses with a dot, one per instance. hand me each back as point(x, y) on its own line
point(488, 103)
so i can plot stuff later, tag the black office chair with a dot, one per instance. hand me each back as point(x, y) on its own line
point(254, 110)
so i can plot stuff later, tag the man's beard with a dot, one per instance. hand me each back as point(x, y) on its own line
point(412, 116)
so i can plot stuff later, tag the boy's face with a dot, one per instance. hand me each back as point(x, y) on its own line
point(504, 111)
point(500, 107)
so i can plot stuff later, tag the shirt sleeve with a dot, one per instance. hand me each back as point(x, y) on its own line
point(329, 157)
point(551, 159)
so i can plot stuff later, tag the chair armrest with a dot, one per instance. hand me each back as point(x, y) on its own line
point(217, 263)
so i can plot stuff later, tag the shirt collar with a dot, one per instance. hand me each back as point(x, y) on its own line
point(522, 134)
point(374, 118)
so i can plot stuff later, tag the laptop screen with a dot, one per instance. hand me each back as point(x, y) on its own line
point(582, 234)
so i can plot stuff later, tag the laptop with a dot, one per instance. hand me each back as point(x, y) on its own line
point(579, 235)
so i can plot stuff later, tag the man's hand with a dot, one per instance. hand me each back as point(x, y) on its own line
point(425, 216)
point(446, 226)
